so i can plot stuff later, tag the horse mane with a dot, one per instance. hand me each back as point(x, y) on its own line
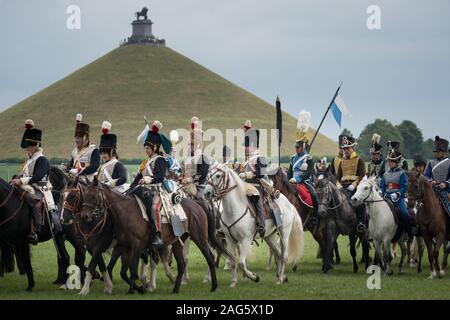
point(61, 178)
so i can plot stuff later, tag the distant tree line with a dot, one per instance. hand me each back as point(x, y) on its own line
point(407, 133)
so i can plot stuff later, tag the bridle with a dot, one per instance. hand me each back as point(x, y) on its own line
point(368, 196)
point(74, 208)
point(335, 207)
point(223, 185)
point(221, 188)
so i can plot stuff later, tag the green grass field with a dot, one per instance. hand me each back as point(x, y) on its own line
point(307, 283)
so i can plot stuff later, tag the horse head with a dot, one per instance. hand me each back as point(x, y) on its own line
point(216, 180)
point(324, 194)
point(72, 197)
point(93, 201)
point(365, 190)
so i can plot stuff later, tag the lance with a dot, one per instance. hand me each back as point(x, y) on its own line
point(325, 115)
point(279, 128)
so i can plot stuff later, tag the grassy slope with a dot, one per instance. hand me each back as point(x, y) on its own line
point(133, 81)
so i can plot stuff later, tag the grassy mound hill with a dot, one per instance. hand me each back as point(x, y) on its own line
point(133, 81)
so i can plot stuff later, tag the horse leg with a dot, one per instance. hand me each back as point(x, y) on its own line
point(125, 259)
point(202, 244)
point(244, 250)
point(112, 262)
point(233, 250)
point(96, 255)
point(365, 249)
point(352, 238)
point(446, 253)
point(23, 252)
point(166, 258)
point(151, 286)
point(403, 251)
point(420, 247)
point(134, 259)
point(378, 259)
point(437, 247)
point(328, 249)
point(106, 279)
point(63, 260)
point(186, 259)
point(80, 252)
point(336, 253)
point(429, 244)
point(177, 250)
point(387, 256)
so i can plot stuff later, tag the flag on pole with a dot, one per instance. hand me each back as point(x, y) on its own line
point(338, 109)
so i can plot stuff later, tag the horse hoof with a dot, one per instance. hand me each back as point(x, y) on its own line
point(213, 288)
point(130, 291)
point(338, 261)
point(256, 279)
point(441, 273)
point(233, 285)
point(59, 282)
point(419, 271)
point(29, 289)
point(294, 268)
point(141, 289)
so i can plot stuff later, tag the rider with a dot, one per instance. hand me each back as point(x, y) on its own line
point(394, 185)
point(173, 165)
point(438, 171)
point(252, 170)
point(34, 174)
point(301, 168)
point(350, 173)
point(152, 173)
point(394, 145)
point(85, 156)
point(197, 165)
point(376, 167)
point(336, 162)
point(112, 172)
point(419, 164)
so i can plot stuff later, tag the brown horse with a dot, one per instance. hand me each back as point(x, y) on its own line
point(433, 222)
point(281, 183)
point(133, 233)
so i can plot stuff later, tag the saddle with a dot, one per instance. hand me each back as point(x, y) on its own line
point(304, 194)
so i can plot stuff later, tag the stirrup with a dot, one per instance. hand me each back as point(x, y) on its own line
point(157, 241)
point(361, 227)
point(33, 239)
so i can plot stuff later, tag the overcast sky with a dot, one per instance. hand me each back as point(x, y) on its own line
point(297, 49)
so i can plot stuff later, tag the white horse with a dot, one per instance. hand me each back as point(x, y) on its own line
point(239, 225)
point(382, 226)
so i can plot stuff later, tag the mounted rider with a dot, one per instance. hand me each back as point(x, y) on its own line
point(394, 186)
point(350, 173)
point(376, 167)
point(420, 164)
point(394, 145)
point(336, 162)
point(85, 159)
point(252, 170)
point(173, 164)
point(438, 172)
point(151, 176)
point(34, 177)
point(197, 164)
point(112, 172)
point(301, 165)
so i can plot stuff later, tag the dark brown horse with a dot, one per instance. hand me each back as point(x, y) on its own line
point(281, 183)
point(133, 233)
point(430, 217)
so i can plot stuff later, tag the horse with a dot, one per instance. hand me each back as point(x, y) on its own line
point(281, 183)
point(133, 232)
point(431, 219)
point(238, 222)
point(15, 226)
point(382, 225)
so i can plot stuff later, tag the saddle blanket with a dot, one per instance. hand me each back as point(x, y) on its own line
point(304, 195)
point(178, 210)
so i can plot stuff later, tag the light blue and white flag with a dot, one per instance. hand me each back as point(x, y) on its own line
point(338, 109)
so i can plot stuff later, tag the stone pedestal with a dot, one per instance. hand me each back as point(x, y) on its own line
point(142, 34)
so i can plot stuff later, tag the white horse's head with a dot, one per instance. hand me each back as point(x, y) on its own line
point(366, 189)
point(218, 180)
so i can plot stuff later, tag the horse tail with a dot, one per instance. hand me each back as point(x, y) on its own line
point(212, 237)
point(296, 240)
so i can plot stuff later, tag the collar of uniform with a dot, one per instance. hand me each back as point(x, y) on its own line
point(301, 154)
point(37, 154)
point(89, 146)
point(352, 156)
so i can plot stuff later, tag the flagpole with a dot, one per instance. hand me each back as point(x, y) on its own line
point(279, 127)
point(325, 115)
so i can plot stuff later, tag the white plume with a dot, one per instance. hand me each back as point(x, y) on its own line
point(376, 138)
point(106, 125)
point(304, 119)
point(79, 117)
point(143, 134)
point(174, 136)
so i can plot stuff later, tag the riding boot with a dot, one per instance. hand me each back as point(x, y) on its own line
point(260, 219)
point(148, 202)
point(361, 214)
point(407, 228)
